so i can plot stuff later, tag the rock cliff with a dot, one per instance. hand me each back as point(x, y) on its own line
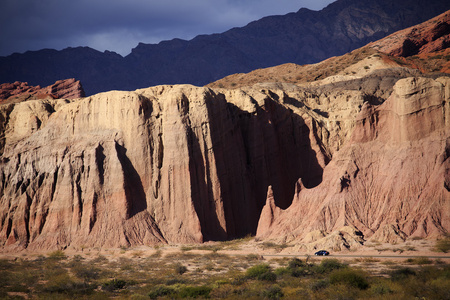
point(183, 164)
point(169, 164)
point(20, 91)
point(388, 182)
point(428, 37)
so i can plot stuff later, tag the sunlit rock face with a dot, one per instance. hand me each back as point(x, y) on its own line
point(390, 181)
point(169, 164)
point(184, 164)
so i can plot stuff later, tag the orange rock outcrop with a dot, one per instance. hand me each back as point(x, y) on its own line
point(19, 91)
point(389, 182)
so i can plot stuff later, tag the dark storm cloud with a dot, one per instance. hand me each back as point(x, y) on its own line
point(119, 25)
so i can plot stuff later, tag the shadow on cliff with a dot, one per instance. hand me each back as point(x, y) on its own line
point(134, 190)
point(252, 151)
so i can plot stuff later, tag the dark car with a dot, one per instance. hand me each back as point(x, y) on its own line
point(322, 253)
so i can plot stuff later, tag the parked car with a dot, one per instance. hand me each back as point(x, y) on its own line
point(322, 253)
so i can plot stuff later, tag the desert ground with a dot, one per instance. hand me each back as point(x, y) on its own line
point(223, 270)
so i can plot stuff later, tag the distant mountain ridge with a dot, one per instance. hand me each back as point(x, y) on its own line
point(302, 37)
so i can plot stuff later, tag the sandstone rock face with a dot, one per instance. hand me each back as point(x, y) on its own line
point(183, 164)
point(19, 91)
point(388, 182)
point(169, 164)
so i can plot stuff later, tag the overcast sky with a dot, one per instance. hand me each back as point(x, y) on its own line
point(119, 25)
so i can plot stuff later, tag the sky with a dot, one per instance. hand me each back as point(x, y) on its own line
point(119, 25)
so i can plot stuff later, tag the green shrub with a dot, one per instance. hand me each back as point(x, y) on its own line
point(328, 265)
point(239, 279)
point(402, 273)
point(5, 264)
point(138, 297)
point(261, 272)
point(87, 273)
point(63, 284)
point(353, 278)
point(114, 284)
point(173, 281)
point(100, 259)
point(282, 271)
point(299, 272)
point(295, 263)
point(161, 291)
point(180, 269)
point(319, 285)
point(273, 292)
point(57, 255)
point(381, 289)
point(257, 270)
point(443, 245)
point(252, 257)
point(194, 291)
point(419, 261)
point(271, 245)
point(268, 276)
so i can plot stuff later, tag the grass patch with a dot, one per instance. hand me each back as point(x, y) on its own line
point(443, 245)
point(419, 261)
point(366, 260)
point(271, 245)
point(58, 254)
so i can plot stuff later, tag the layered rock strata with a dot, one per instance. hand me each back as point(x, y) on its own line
point(169, 164)
point(20, 91)
point(388, 182)
point(183, 164)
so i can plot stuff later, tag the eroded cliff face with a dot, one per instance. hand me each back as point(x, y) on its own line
point(21, 91)
point(184, 164)
point(168, 164)
point(388, 182)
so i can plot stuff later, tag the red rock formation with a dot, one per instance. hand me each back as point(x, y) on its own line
point(67, 89)
point(428, 37)
point(390, 181)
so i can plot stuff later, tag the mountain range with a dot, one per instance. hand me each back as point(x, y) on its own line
point(303, 37)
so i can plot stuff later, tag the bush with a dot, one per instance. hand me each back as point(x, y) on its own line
point(295, 263)
point(57, 255)
point(282, 271)
point(180, 269)
point(419, 261)
point(239, 280)
point(319, 285)
point(194, 291)
point(443, 245)
point(328, 265)
point(115, 284)
point(274, 292)
point(349, 277)
point(381, 289)
point(161, 291)
point(87, 273)
point(268, 276)
point(257, 270)
point(63, 284)
point(402, 273)
point(261, 272)
point(173, 281)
